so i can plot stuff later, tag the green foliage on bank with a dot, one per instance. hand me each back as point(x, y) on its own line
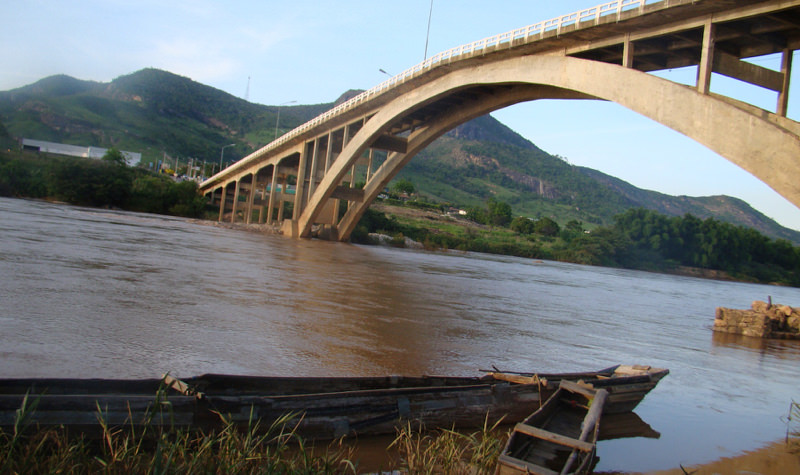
point(666, 242)
point(638, 239)
point(99, 183)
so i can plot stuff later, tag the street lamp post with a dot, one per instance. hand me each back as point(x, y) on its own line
point(428, 34)
point(222, 152)
point(278, 119)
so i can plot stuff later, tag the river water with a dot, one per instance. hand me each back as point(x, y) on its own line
point(99, 293)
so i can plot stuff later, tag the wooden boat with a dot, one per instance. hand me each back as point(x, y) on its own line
point(627, 385)
point(319, 408)
point(560, 437)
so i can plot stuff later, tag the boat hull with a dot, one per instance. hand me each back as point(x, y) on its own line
point(317, 408)
point(560, 437)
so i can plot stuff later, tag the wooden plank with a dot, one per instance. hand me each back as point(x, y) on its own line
point(177, 385)
point(553, 437)
point(593, 416)
point(578, 388)
point(516, 378)
point(589, 425)
point(521, 466)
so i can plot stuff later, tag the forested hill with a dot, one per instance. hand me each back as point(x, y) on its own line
point(156, 112)
point(484, 158)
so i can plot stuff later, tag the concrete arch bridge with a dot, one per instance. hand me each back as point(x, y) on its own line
point(605, 53)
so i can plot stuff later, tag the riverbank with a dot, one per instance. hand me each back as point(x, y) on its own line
point(778, 458)
point(627, 245)
point(416, 228)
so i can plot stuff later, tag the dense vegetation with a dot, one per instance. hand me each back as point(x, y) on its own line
point(101, 183)
point(665, 242)
point(638, 239)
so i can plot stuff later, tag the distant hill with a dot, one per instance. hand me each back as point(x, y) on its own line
point(150, 111)
point(156, 112)
point(485, 158)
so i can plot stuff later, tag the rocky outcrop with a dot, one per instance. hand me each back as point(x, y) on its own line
point(762, 320)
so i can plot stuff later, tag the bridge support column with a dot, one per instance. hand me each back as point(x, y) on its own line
point(329, 151)
point(273, 192)
point(786, 70)
point(312, 182)
point(222, 198)
point(262, 210)
point(627, 52)
point(251, 196)
point(235, 200)
point(706, 59)
point(369, 164)
point(281, 201)
point(300, 191)
point(290, 228)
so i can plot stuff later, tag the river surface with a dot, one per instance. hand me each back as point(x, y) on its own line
point(99, 293)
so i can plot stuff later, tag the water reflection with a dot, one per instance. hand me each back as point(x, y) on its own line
point(780, 348)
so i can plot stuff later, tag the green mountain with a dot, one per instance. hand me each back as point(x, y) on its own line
point(150, 111)
point(484, 158)
point(156, 112)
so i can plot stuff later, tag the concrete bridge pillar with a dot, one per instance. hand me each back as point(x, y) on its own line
point(300, 191)
point(222, 199)
point(273, 192)
point(786, 70)
point(235, 200)
point(251, 195)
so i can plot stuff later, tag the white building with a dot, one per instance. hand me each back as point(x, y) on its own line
point(132, 158)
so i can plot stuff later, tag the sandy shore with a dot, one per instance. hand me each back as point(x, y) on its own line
point(775, 459)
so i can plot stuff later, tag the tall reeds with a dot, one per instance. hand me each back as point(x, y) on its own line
point(156, 445)
point(793, 427)
point(449, 451)
point(148, 447)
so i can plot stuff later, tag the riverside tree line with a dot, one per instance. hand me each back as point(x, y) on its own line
point(638, 239)
point(108, 182)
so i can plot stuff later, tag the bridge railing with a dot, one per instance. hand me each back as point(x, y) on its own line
point(583, 18)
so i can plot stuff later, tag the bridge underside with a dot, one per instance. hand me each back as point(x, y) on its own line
point(323, 183)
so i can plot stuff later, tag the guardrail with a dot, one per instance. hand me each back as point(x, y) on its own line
point(581, 19)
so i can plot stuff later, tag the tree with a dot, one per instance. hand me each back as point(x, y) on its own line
point(546, 227)
point(498, 212)
point(113, 155)
point(477, 215)
point(404, 185)
point(572, 230)
point(522, 225)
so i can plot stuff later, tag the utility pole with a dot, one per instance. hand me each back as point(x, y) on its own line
point(222, 152)
point(427, 35)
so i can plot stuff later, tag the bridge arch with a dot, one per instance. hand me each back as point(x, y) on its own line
point(759, 142)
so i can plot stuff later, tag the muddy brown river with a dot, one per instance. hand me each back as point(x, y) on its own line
point(98, 293)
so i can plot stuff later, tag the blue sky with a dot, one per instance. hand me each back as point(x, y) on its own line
point(311, 52)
